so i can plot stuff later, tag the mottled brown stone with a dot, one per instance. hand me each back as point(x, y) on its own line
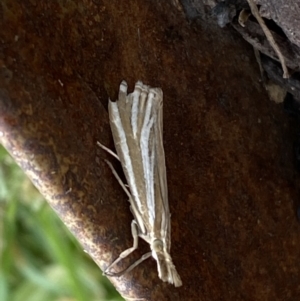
point(228, 148)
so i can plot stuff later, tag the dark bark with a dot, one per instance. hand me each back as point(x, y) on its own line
point(228, 148)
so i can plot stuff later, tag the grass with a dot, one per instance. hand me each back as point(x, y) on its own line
point(39, 257)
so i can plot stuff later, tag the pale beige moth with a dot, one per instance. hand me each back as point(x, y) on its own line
point(136, 121)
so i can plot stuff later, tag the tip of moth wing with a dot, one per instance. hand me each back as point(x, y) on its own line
point(139, 84)
point(123, 87)
point(123, 91)
point(141, 88)
point(158, 93)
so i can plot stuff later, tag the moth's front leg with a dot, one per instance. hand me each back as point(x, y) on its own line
point(135, 235)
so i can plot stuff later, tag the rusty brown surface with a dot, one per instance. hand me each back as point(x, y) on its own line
point(228, 148)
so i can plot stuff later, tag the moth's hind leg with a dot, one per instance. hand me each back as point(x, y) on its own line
point(108, 150)
point(124, 186)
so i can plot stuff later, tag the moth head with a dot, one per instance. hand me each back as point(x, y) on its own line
point(157, 245)
point(166, 269)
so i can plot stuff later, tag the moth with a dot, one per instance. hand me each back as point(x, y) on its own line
point(136, 122)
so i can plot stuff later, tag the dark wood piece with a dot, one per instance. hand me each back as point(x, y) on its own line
point(228, 149)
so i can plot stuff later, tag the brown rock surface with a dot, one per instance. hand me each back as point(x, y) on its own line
point(232, 185)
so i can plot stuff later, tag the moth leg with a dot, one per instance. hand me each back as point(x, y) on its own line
point(131, 267)
point(134, 210)
point(118, 179)
point(108, 150)
point(124, 186)
point(135, 235)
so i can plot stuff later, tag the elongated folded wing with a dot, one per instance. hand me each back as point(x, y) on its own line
point(136, 123)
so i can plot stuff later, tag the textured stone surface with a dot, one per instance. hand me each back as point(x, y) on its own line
point(232, 185)
point(286, 14)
